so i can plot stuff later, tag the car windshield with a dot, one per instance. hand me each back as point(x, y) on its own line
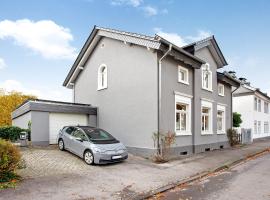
point(98, 134)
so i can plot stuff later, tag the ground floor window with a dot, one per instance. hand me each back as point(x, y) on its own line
point(206, 117)
point(259, 127)
point(221, 119)
point(182, 115)
point(255, 127)
point(266, 127)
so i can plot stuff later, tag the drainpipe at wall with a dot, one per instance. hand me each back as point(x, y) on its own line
point(159, 93)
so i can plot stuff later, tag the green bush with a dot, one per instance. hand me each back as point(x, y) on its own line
point(237, 119)
point(9, 160)
point(11, 132)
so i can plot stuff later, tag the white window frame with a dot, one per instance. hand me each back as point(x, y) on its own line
point(223, 88)
point(255, 103)
point(266, 127)
point(255, 127)
point(266, 107)
point(259, 125)
point(187, 101)
point(102, 76)
point(259, 105)
point(223, 109)
point(206, 69)
point(209, 105)
point(184, 70)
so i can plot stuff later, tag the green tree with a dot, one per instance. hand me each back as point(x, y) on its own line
point(9, 101)
point(236, 119)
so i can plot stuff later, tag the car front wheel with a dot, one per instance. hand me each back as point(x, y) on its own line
point(88, 157)
point(61, 145)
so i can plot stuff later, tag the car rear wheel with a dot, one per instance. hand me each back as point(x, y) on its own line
point(61, 145)
point(88, 157)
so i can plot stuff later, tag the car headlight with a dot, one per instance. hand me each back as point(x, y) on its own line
point(97, 150)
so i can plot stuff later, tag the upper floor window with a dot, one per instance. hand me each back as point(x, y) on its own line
point(259, 105)
point(255, 103)
point(220, 89)
point(183, 75)
point(266, 107)
point(206, 77)
point(102, 77)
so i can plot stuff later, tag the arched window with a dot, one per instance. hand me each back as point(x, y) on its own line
point(102, 77)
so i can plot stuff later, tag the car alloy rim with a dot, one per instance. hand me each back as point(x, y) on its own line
point(61, 144)
point(88, 157)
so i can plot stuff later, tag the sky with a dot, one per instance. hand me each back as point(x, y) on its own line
point(39, 40)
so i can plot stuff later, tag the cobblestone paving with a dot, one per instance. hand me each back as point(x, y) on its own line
point(48, 162)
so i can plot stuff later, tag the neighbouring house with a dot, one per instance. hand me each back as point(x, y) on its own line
point(141, 84)
point(253, 105)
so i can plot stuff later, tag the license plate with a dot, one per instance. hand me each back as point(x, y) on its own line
point(116, 157)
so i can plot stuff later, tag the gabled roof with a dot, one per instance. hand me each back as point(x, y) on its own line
point(128, 37)
point(212, 44)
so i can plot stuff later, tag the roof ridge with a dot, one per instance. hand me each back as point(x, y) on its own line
point(143, 36)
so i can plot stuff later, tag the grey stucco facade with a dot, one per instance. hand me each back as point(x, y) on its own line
point(130, 108)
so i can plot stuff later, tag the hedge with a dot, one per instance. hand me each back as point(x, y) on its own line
point(9, 160)
point(11, 133)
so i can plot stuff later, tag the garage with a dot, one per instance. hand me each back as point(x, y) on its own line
point(48, 117)
point(58, 120)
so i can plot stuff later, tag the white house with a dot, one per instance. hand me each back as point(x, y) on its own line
point(253, 105)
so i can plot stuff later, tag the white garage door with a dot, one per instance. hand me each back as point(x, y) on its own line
point(58, 120)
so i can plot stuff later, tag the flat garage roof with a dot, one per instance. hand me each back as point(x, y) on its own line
point(53, 106)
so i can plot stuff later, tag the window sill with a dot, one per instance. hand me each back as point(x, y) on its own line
point(184, 82)
point(101, 88)
point(178, 133)
point(221, 133)
point(206, 133)
point(209, 90)
point(222, 95)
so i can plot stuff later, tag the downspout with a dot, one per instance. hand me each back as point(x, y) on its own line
point(232, 104)
point(159, 93)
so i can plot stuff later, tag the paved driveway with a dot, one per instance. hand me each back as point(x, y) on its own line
point(52, 174)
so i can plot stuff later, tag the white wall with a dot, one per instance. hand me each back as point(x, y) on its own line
point(245, 106)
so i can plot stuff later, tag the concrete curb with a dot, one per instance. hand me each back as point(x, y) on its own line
point(196, 176)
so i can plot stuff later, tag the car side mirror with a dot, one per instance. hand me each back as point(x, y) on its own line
point(79, 139)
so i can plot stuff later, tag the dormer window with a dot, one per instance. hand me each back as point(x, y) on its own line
point(102, 77)
point(206, 77)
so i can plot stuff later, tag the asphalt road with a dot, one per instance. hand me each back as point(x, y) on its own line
point(248, 181)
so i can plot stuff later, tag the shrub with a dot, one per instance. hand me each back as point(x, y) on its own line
point(237, 119)
point(233, 137)
point(11, 132)
point(9, 160)
point(163, 142)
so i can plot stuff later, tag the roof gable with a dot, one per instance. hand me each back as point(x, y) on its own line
point(213, 47)
point(156, 43)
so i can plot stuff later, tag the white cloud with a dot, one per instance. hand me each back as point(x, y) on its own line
point(2, 63)
point(60, 94)
point(150, 11)
point(179, 40)
point(134, 3)
point(45, 37)
point(172, 37)
point(200, 35)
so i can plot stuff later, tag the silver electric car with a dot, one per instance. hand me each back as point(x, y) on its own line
point(94, 145)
